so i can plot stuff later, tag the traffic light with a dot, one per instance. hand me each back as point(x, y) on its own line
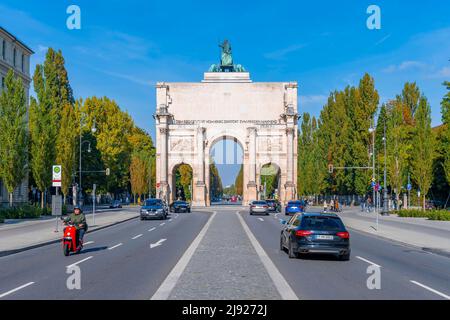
point(330, 168)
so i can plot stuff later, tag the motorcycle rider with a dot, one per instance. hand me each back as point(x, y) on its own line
point(78, 219)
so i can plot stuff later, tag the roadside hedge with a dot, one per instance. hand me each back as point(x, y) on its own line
point(442, 215)
point(22, 212)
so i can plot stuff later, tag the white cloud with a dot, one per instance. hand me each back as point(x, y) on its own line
point(405, 66)
point(281, 53)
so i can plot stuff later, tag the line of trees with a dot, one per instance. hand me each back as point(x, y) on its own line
point(50, 135)
point(341, 137)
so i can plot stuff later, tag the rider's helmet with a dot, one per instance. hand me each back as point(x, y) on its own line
point(77, 207)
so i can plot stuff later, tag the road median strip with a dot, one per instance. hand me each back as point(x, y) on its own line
point(279, 281)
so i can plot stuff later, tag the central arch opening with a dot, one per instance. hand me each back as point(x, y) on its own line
point(226, 171)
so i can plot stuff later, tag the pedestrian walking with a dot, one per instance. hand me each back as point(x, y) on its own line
point(325, 206)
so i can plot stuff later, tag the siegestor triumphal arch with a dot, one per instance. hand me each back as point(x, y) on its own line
point(260, 116)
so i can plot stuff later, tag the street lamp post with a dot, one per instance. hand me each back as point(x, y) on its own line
point(372, 130)
point(385, 195)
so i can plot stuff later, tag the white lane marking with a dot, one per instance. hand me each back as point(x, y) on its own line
point(16, 289)
point(89, 242)
point(260, 219)
point(117, 245)
point(157, 244)
point(279, 281)
point(170, 219)
point(74, 264)
point(368, 261)
point(176, 217)
point(431, 289)
point(138, 236)
point(169, 283)
point(150, 230)
point(162, 224)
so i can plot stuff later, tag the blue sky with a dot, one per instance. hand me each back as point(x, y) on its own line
point(124, 47)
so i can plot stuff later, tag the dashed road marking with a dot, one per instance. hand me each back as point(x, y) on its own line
point(117, 245)
point(74, 264)
point(138, 236)
point(260, 219)
point(162, 224)
point(16, 289)
point(150, 230)
point(368, 261)
point(89, 242)
point(431, 289)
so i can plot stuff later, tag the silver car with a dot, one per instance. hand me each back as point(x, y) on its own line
point(259, 206)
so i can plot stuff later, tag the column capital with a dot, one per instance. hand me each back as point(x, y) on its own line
point(251, 130)
point(290, 130)
point(164, 130)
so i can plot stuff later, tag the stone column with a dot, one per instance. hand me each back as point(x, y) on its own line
point(163, 178)
point(199, 194)
point(289, 185)
point(251, 186)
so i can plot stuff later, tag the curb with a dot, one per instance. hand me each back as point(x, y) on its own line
point(436, 251)
point(46, 243)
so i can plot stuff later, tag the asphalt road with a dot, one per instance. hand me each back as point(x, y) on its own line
point(324, 277)
point(131, 261)
point(120, 264)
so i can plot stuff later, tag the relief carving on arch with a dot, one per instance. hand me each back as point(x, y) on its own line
point(182, 144)
point(270, 143)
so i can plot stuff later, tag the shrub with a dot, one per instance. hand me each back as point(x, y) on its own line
point(23, 212)
point(442, 215)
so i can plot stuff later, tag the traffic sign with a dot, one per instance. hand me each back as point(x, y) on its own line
point(408, 187)
point(56, 176)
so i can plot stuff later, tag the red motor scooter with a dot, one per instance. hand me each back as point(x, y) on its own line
point(71, 241)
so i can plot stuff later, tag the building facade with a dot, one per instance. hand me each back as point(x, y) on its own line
point(14, 55)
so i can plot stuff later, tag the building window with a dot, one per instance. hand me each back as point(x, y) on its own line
point(23, 62)
point(4, 50)
point(14, 57)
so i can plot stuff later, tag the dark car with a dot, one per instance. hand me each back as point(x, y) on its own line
point(294, 207)
point(153, 209)
point(315, 233)
point(274, 205)
point(115, 204)
point(180, 206)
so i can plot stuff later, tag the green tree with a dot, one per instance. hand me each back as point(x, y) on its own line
point(54, 94)
point(239, 181)
point(66, 143)
point(13, 134)
point(215, 184)
point(138, 175)
point(423, 150)
point(445, 111)
point(114, 128)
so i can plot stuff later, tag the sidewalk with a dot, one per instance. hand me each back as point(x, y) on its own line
point(433, 236)
point(22, 235)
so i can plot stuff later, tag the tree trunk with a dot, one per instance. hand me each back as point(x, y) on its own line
point(10, 199)
point(42, 199)
point(424, 203)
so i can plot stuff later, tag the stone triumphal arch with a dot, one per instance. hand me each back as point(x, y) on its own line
point(260, 116)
